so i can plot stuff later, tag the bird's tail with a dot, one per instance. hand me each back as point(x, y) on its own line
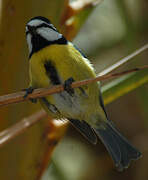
point(121, 151)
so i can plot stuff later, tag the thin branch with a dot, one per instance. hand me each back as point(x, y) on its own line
point(20, 127)
point(124, 60)
point(41, 92)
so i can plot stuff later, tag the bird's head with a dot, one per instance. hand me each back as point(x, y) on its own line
point(41, 33)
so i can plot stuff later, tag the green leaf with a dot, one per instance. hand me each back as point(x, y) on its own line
point(124, 85)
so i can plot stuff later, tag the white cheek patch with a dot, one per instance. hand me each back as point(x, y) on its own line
point(38, 22)
point(49, 34)
point(29, 42)
point(26, 29)
point(35, 22)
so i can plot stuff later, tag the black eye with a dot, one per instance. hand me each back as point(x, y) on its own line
point(31, 29)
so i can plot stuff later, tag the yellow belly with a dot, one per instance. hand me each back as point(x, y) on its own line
point(68, 63)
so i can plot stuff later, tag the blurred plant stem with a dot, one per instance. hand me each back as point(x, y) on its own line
point(59, 173)
point(22, 157)
point(123, 60)
point(129, 39)
point(123, 85)
point(143, 103)
point(75, 15)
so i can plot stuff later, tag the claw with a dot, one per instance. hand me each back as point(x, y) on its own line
point(29, 91)
point(67, 86)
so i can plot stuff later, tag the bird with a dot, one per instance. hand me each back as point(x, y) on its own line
point(53, 60)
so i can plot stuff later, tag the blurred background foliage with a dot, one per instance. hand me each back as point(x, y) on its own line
point(110, 31)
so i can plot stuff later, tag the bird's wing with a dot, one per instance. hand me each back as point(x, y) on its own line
point(102, 103)
point(85, 129)
point(80, 51)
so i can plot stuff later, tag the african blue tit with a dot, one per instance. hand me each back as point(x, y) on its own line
point(52, 61)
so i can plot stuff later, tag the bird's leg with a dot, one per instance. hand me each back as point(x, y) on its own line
point(29, 91)
point(67, 86)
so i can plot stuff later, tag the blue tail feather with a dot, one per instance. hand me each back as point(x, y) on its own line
point(121, 151)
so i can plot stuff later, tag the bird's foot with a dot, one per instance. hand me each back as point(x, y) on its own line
point(67, 86)
point(29, 91)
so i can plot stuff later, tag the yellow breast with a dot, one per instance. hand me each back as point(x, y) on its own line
point(66, 59)
point(69, 63)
